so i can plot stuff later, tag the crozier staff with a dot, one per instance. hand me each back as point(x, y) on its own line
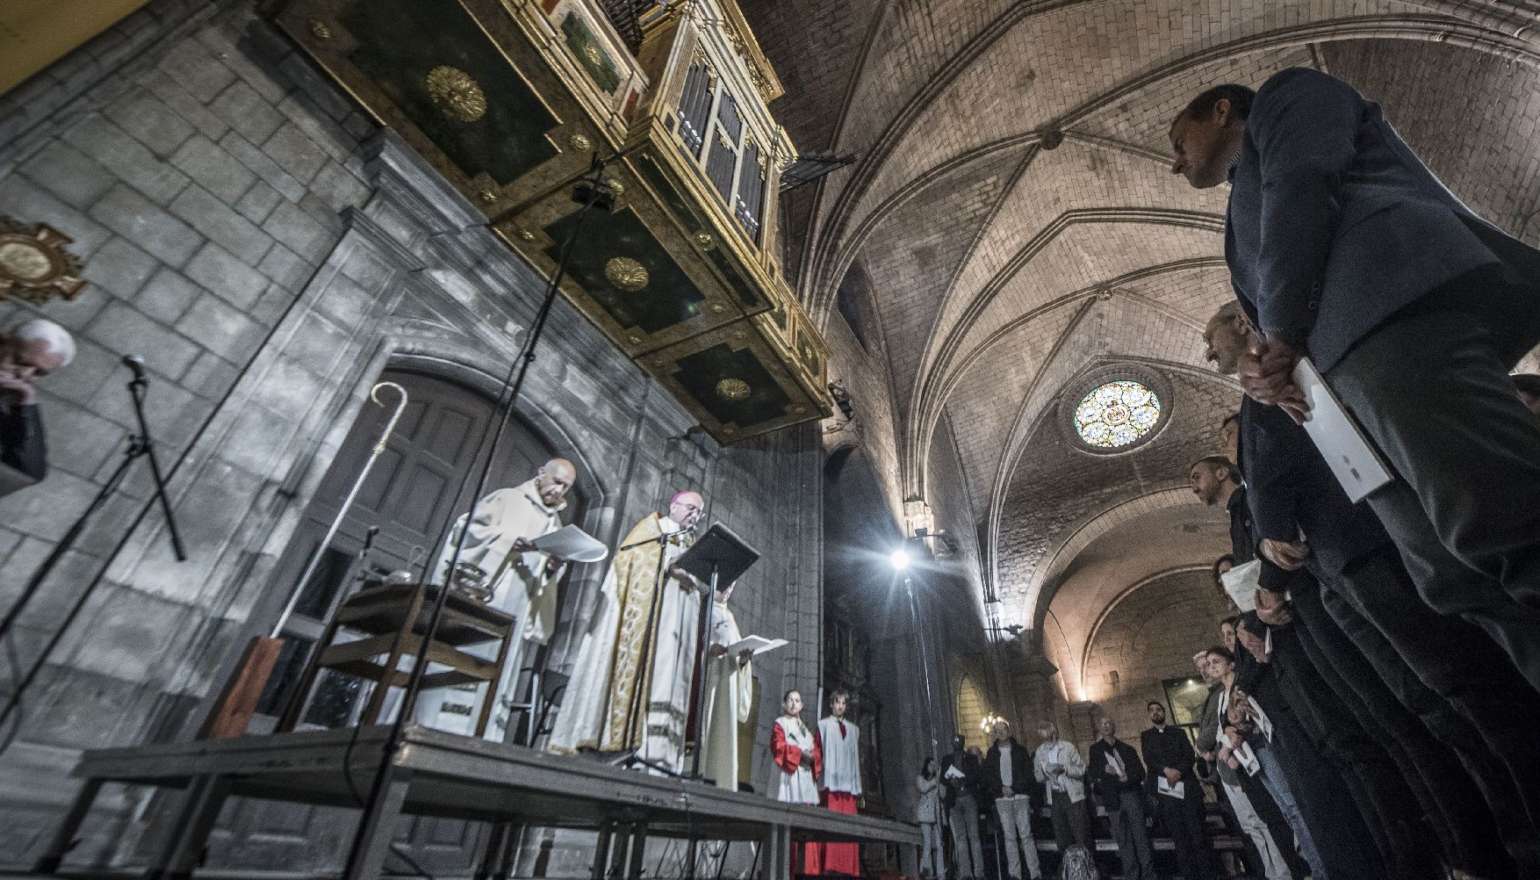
point(28, 352)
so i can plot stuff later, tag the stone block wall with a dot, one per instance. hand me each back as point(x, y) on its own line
point(270, 253)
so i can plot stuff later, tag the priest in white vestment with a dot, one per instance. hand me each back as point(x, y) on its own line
point(729, 696)
point(630, 687)
point(840, 783)
point(524, 586)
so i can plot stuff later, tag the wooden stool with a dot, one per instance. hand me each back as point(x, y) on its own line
point(394, 618)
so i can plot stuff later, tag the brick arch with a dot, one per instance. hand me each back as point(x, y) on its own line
point(1027, 423)
point(1045, 580)
point(1452, 24)
point(922, 425)
point(1101, 620)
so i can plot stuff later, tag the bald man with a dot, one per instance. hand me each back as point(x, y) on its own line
point(500, 546)
point(630, 687)
point(28, 352)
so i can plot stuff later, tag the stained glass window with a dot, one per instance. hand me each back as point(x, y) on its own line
point(1116, 414)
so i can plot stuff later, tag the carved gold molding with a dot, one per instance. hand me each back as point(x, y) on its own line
point(34, 265)
point(626, 274)
point(455, 93)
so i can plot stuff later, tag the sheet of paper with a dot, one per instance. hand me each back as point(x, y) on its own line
point(953, 773)
point(757, 644)
point(571, 542)
point(1241, 582)
point(1353, 460)
point(1164, 786)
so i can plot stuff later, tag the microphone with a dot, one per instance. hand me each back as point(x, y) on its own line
point(136, 363)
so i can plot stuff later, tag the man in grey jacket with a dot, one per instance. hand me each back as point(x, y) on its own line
point(1344, 247)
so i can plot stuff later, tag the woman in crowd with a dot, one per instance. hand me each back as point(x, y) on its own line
point(928, 814)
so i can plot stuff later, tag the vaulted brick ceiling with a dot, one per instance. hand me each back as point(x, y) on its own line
point(1007, 260)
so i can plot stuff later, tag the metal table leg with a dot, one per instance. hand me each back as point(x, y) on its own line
point(775, 859)
point(190, 832)
point(64, 836)
point(492, 852)
point(379, 828)
point(602, 851)
point(638, 851)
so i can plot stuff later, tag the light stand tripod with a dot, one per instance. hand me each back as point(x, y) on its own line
point(914, 616)
point(140, 445)
point(364, 858)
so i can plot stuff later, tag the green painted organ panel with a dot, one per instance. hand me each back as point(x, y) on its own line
point(507, 136)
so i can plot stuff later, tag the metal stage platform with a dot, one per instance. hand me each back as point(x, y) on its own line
point(444, 775)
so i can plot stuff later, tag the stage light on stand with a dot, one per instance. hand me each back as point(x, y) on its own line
point(900, 559)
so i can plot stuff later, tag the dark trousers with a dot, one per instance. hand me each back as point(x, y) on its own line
point(1435, 778)
point(1071, 823)
point(1342, 768)
point(1431, 388)
point(1183, 820)
point(1337, 828)
point(1126, 815)
point(1479, 715)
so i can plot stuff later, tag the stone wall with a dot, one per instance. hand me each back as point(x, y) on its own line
point(270, 253)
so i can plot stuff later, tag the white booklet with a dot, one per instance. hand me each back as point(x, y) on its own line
point(1353, 460)
point(571, 542)
point(1164, 786)
point(1241, 582)
point(757, 644)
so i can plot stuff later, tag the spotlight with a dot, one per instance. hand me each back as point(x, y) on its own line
point(900, 559)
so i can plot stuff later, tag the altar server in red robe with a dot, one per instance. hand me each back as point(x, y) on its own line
point(797, 755)
point(840, 780)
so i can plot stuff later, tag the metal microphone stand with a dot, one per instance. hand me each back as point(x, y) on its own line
point(139, 445)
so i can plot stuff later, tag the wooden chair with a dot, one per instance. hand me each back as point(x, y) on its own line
point(393, 619)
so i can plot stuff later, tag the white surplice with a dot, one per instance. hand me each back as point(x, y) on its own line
point(796, 787)
point(524, 589)
point(841, 756)
point(729, 700)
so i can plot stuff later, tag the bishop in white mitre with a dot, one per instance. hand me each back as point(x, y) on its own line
point(729, 696)
point(524, 586)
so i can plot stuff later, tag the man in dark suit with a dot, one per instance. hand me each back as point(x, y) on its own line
point(1400, 649)
point(960, 776)
point(28, 352)
point(1117, 776)
point(1169, 758)
point(1348, 249)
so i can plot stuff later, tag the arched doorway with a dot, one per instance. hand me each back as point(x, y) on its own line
point(412, 493)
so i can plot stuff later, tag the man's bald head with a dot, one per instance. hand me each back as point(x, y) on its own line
point(1225, 336)
point(554, 479)
point(685, 507)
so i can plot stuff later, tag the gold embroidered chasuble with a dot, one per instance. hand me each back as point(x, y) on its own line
point(617, 701)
